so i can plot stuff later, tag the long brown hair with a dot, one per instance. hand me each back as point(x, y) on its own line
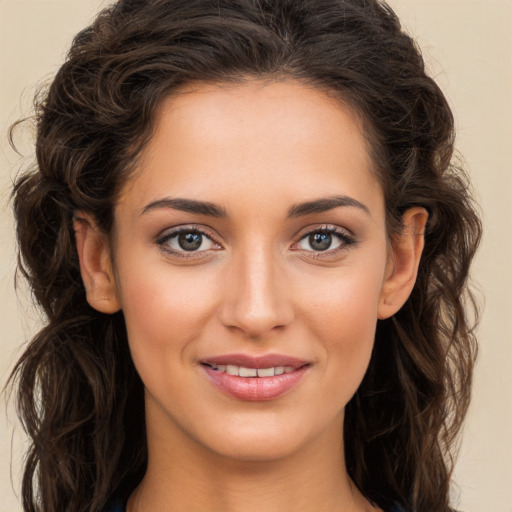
point(78, 394)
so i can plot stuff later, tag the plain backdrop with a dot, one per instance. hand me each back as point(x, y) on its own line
point(468, 48)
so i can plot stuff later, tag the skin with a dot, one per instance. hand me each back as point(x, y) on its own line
point(256, 286)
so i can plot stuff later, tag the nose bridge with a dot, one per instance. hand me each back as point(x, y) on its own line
point(256, 299)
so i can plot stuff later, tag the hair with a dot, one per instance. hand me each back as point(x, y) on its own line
point(78, 394)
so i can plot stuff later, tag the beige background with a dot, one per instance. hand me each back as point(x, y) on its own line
point(468, 45)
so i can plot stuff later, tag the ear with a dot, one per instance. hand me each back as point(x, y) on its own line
point(95, 264)
point(403, 262)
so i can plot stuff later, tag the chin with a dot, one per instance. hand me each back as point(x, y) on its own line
point(260, 442)
point(259, 449)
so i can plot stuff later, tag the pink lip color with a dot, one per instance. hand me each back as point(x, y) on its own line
point(255, 388)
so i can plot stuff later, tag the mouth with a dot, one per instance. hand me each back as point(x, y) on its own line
point(255, 378)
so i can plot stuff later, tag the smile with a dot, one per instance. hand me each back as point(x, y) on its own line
point(242, 371)
point(255, 378)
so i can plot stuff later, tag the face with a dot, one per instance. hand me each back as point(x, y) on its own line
point(249, 259)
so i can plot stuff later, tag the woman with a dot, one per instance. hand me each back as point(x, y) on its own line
point(252, 248)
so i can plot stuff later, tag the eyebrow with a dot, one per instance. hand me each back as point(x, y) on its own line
point(186, 205)
point(297, 210)
point(325, 204)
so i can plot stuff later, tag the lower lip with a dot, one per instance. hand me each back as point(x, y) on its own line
point(255, 388)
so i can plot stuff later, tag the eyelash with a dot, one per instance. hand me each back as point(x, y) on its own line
point(345, 238)
point(161, 242)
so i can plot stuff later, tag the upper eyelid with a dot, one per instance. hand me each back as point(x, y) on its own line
point(332, 228)
point(176, 230)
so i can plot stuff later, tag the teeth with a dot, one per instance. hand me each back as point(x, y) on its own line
point(231, 369)
point(247, 372)
point(242, 371)
point(266, 372)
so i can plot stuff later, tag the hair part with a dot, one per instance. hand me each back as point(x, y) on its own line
point(92, 125)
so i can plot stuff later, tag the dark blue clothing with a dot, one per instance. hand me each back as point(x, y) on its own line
point(118, 506)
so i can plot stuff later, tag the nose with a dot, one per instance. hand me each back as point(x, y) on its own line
point(256, 299)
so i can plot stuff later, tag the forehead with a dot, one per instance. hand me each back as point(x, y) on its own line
point(247, 138)
point(260, 111)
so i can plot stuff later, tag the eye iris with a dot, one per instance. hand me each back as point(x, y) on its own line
point(190, 241)
point(320, 241)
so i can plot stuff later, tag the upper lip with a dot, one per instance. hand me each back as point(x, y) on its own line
point(249, 361)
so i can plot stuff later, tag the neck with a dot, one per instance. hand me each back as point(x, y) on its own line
point(184, 476)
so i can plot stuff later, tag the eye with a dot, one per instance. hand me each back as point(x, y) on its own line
point(326, 240)
point(320, 241)
point(186, 242)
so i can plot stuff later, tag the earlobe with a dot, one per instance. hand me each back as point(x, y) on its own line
point(95, 264)
point(403, 262)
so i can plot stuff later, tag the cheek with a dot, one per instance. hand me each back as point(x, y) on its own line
point(343, 302)
point(345, 319)
point(164, 310)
